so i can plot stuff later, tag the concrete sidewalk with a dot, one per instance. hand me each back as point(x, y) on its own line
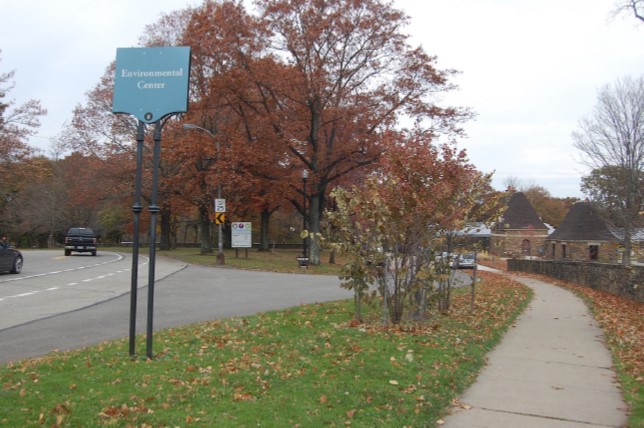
point(551, 369)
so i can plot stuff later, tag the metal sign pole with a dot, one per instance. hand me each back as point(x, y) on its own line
point(136, 209)
point(154, 210)
point(150, 84)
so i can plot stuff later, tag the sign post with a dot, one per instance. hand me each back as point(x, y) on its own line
point(150, 84)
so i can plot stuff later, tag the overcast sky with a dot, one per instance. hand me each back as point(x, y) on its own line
point(530, 69)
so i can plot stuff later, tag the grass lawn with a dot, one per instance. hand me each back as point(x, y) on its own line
point(276, 261)
point(305, 366)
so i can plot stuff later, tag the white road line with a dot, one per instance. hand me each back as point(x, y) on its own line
point(19, 295)
point(71, 283)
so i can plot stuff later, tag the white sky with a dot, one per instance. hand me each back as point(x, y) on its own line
point(530, 69)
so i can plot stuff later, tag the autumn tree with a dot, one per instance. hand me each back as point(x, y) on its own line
point(351, 76)
point(230, 102)
point(17, 123)
point(604, 187)
point(611, 139)
point(300, 85)
point(42, 203)
point(102, 145)
point(111, 140)
point(393, 227)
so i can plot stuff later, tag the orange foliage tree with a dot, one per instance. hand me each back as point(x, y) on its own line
point(352, 76)
point(298, 85)
point(394, 226)
point(310, 85)
point(250, 163)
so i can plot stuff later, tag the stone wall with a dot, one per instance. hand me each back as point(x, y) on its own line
point(625, 281)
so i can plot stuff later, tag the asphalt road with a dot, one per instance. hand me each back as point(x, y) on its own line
point(59, 303)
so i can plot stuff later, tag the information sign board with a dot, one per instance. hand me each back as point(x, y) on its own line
point(241, 234)
point(151, 83)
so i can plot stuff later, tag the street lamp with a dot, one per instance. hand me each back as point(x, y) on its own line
point(305, 175)
point(221, 259)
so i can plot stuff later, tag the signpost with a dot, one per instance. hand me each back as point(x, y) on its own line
point(150, 84)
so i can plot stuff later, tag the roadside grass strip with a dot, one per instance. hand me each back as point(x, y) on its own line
point(306, 366)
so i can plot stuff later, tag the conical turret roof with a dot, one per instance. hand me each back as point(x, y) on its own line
point(520, 214)
point(583, 223)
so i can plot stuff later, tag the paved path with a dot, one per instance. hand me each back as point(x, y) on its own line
point(551, 370)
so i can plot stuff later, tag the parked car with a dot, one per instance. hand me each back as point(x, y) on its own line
point(10, 259)
point(446, 259)
point(467, 261)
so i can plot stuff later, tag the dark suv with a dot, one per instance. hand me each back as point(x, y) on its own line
point(80, 240)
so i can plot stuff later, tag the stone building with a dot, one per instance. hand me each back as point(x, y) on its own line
point(519, 232)
point(584, 236)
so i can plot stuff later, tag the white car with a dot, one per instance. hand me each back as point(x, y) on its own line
point(467, 261)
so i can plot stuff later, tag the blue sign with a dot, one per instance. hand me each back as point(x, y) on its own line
point(151, 83)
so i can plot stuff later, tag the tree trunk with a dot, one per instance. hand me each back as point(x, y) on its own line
point(357, 299)
point(263, 230)
point(314, 228)
point(204, 229)
point(166, 215)
point(632, 209)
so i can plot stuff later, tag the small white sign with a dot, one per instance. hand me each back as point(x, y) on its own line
point(241, 234)
point(220, 205)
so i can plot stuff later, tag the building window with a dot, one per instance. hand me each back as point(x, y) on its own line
point(593, 252)
point(554, 250)
point(563, 251)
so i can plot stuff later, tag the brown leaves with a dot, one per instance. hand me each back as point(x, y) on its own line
point(241, 395)
point(122, 411)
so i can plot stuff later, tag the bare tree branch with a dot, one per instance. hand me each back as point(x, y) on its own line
point(636, 7)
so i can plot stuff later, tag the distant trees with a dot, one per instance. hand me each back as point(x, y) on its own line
point(605, 187)
point(289, 86)
point(17, 123)
point(301, 85)
point(611, 140)
point(552, 210)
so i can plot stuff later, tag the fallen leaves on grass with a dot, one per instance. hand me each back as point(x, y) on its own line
point(350, 373)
